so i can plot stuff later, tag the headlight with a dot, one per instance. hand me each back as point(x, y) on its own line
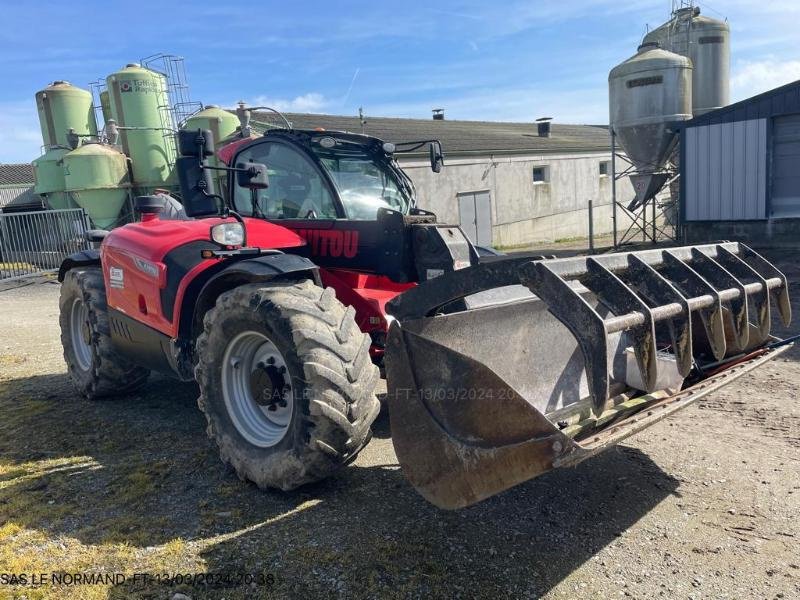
point(228, 234)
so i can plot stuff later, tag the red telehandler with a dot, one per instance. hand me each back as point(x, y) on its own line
point(317, 268)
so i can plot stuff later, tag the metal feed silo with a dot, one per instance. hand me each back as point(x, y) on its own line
point(96, 175)
point(648, 93)
point(62, 107)
point(48, 175)
point(706, 42)
point(140, 107)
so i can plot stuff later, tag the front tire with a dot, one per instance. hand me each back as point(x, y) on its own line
point(286, 382)
point(94, 367)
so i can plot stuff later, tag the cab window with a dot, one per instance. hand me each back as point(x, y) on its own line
point(296, 189)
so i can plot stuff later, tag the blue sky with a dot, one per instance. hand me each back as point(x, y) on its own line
point(512, 60)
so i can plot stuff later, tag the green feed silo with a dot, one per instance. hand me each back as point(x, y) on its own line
point(139, 101)
point(62, 107)
point(222, 124)
point(48, 174)
point(96, 175)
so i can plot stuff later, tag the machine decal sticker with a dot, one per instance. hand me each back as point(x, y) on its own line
point(146, 267)
point(333, 243)
point(116, 277)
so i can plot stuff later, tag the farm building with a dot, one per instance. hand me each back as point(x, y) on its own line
point(16, 188)
point(506, 184)
point(740, 170)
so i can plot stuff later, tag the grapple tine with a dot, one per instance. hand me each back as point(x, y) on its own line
point(695, 286)
point(580, 318)
point(617, 296)
point(780, 292)
point(723, 281)
point(758, 300)
point(658, 290)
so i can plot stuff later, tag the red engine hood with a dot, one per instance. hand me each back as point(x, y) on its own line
point(151, 240)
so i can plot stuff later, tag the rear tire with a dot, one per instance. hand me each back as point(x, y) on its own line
point(296, 338)
point(94, 367)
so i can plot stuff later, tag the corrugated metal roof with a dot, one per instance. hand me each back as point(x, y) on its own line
point(16, 174)
point(19, 197)
point(472, 137)
point(779, 101)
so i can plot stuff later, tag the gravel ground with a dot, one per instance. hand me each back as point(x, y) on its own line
point(704, 505)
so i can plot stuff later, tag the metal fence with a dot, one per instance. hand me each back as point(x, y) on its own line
point(37, 242)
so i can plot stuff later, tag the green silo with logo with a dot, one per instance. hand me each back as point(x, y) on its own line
point(96, 175)
point(139, 101)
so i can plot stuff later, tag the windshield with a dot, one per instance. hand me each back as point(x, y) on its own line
point(365, 182)
point(296, 187)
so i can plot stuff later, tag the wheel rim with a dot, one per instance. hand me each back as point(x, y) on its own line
point(256, 386)
point(81, 334)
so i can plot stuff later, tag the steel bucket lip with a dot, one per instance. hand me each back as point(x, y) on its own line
point(661, 408)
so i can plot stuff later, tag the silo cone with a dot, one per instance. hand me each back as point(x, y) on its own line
point(97, 177)
point(48, 173)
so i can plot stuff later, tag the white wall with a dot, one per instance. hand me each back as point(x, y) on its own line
point(523, 211)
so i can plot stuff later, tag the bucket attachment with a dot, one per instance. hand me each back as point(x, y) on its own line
point(502, 371)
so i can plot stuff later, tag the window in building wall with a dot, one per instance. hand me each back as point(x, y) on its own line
point(541, 174)
point(604, 168)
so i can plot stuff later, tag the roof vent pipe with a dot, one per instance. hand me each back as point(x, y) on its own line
point(543, 126)
point(438, 114)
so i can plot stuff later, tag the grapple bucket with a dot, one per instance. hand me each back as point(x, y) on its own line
point(502, 371)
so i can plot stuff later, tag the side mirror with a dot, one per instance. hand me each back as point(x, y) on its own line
point(252, 176)
point(197, 187)
point(196, 142)
point(437, 158)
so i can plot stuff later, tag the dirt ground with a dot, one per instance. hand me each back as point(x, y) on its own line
point(703, 505)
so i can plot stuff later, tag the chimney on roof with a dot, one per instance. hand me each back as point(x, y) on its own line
point(543, 126)
point(438, 114)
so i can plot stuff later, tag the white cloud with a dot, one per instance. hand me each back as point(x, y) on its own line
point(20, 136)
point(753, 77)
point(311, 102)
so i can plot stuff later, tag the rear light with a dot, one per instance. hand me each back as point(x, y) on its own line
point(228, 234)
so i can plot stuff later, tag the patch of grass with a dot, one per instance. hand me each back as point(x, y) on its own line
point(9, 530)
point(175, 548)
point(141, 482)
point(502, 248)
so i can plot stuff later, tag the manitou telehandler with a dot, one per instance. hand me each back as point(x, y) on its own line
point(284, 298)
